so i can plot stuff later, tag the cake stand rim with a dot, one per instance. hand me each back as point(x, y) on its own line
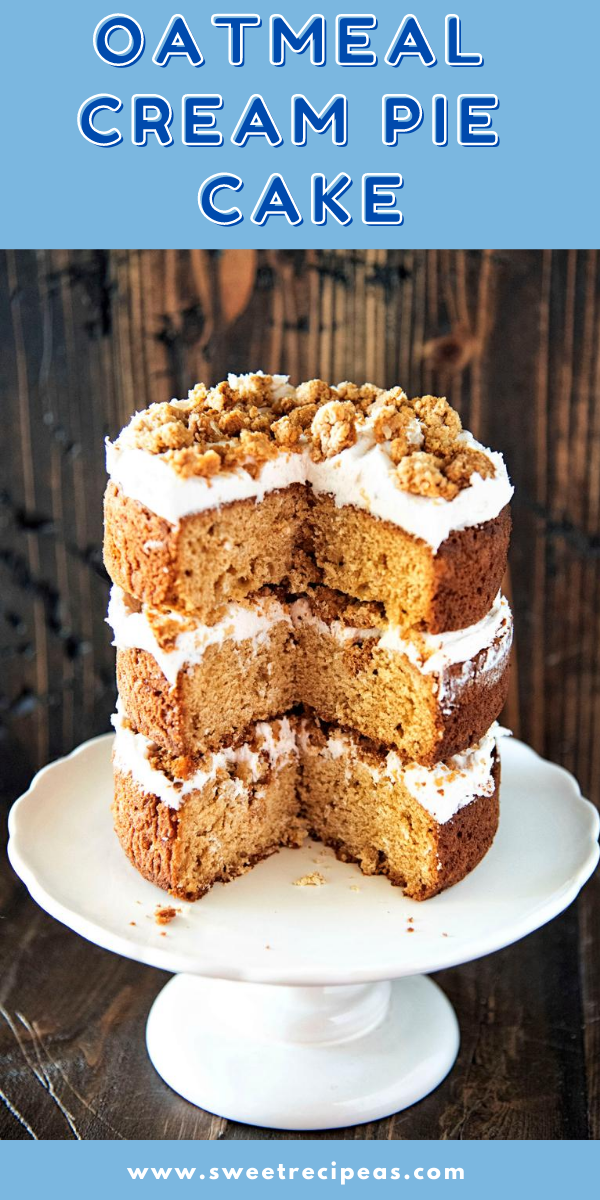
point(162, 958)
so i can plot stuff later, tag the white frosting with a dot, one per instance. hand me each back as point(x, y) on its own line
point(362, 475)
point(432, 653)
point(240, 623)
point(149, 478)
point(131, 752)
point(446, 788)
point(442, 789)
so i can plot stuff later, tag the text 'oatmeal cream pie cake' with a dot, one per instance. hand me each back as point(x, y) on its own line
point(310, 631)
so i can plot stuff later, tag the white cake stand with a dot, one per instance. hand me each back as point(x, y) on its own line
point(354, 1030)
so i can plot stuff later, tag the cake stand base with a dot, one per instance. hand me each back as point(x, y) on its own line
point(302, 1057)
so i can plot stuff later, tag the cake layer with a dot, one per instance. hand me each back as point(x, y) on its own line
point(374, 560)
point(190, 686)
point(254, 482)
point(429, 696)
point(187, 823)
point(209, 558)
point(405, 461)
point(424, 828)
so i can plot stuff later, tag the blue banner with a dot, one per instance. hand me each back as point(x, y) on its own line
point(296, 128)
point(466, 1170)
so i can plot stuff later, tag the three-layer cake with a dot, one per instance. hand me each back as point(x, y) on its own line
point(310, 633)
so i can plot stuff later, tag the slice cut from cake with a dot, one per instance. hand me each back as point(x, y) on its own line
point(254, 482)
point(191, 686)
point(187, 823)
point(424, 828)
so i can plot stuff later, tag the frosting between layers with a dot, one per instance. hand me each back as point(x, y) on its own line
point(150, 480)
point(240, 622)
point(432, 654)
point(131, 757)
point(442, 789)
point(362, 475)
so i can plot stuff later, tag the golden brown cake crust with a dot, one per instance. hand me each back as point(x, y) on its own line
point(470, 565)
point(478, 705)
point(466, 839)
point(146, 829)
point(140, 548)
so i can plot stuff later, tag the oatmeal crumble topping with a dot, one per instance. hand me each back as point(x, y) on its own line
point(421, 474)
point(246, 420)
point(333, 429)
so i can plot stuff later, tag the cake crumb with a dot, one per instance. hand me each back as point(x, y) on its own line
point(163, 916)
point(315, 879)
point(132, 922)
point(354, 887)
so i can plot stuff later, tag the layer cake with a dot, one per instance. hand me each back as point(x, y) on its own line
point(309, 629)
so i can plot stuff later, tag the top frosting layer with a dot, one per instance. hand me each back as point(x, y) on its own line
point(405, 461)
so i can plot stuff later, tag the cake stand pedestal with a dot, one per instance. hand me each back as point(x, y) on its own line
point(302, 1008)
point(302, 1058)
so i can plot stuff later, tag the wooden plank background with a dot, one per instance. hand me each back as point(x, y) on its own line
point(513, 340)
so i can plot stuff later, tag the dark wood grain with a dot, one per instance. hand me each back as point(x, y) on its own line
point(513, 340)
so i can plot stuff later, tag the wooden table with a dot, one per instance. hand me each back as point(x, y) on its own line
point(512, 338)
